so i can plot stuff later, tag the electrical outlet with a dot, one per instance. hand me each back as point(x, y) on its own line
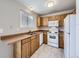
point(17, 29)
point(1, 31)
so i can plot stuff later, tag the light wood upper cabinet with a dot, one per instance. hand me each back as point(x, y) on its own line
point(39, 22)
point(45, 21)
point(42, 21)
point(61, 22)
point(52, 18)
point(58, 17)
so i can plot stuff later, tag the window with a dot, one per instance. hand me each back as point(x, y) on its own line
point(26, 20)
point(30, 21)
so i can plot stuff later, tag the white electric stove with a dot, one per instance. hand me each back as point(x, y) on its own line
point(53, 34)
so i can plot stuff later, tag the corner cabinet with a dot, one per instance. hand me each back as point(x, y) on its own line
point(39, 21)
point(42, 21)
point(22, 49)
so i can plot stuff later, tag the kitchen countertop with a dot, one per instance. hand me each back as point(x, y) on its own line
point(14, 37)
point(10, 40)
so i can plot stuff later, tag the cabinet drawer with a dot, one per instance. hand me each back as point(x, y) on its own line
point(25, 40)
point(33, 37)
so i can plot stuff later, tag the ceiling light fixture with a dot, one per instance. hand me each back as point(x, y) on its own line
point(31, 9)
point(50, 3)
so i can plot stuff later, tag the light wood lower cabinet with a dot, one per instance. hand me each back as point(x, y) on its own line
point(61, 40)
point(45, 37)
point(37, 42)
point(26, 50)
point(26, 47)
point(33, 45)
point(17, 49)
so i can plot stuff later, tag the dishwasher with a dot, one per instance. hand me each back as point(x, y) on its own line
point(41, 38)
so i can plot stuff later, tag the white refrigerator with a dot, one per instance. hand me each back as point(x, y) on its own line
point(69, 36)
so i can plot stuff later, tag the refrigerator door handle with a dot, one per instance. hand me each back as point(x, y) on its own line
point(68, 33)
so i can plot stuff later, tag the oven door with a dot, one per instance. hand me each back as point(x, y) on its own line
point(53, 38)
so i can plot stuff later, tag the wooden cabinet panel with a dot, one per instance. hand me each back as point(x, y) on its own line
point(39, 22)
point(37, 42)
point(45, 37)
point(61, 40)
point(26, 50)
point(45, 21)
point(17, 49)
point(26, 47)
point(25, 40)
point(61, 22)
point(34, 43)
point(22, 48)
point(52, 18)
point(33, 48)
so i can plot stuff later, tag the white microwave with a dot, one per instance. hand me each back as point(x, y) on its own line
point(53, 23)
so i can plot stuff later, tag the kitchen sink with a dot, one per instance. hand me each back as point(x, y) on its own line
point(31, 33)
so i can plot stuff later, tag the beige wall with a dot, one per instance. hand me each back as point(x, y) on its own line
point(10, 16)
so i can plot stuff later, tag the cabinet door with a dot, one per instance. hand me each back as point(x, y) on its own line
point(37, 42)
point(39, 22)
point(45, 21)
point(45, 37)
point(26, 50)
point(33, 48)
point(61, 41)
point(17, 49)
point(61, 22)
point(52, 18)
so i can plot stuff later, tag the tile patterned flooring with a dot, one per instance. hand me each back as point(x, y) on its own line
point(46, 51)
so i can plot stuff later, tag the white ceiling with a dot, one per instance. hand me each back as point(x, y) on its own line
point(41, 9)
